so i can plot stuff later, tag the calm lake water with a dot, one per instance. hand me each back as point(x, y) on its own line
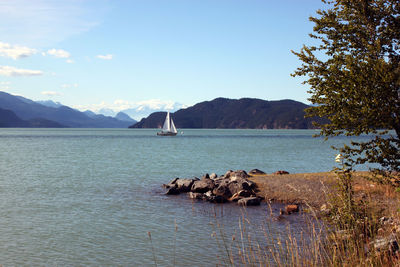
point(76, 197)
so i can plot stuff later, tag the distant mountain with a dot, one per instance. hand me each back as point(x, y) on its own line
point(124, 117)
point(49, 103)
point(29, 110)
point(90, 114)
point(107, 112)
point(9, 119)
point(245, 113)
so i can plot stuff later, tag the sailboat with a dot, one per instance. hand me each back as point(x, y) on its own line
point(168, 128)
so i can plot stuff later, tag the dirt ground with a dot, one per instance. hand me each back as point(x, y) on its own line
point(314, 189)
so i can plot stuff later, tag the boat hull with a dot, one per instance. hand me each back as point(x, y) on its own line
point(166, 134)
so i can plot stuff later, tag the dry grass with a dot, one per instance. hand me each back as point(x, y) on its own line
point(298, 188)
point(313, 189)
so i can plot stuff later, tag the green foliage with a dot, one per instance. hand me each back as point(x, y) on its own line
point(354, 77)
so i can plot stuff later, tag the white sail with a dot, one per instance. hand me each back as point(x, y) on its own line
point(169, 128)
point(167, 124)
point(173, 129)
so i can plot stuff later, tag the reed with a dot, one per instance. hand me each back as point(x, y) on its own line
point(346, 236)
point(152, 249)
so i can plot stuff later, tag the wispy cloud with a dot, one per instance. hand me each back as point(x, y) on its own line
point(12, 71)
point(59, 53)
point(70, 61)
point(155, 104)
point(51, 93)
point(5, 85)
point(105, 57)
point(67, 85)
point(15, 51)
point(43, 23)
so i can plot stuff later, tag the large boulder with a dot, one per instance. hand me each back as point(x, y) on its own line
point(172, 191)
point(237, 185)
point(249, 201)
point(171, 184)
point(237, 174)
point(202, 186)
point(184, 185)
point(256, 172)
point(222, 190)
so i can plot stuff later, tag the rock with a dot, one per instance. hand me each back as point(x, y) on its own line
point(202, 186)
point(386, 244)
point(281, 172)
point(228, 174)
point(196, 195)
point(172, 191)
point(239, 195)
point(240, 184)
point(171, 184)
point(213, 176)
point(239, 174)
point(385, 220)
point(291, 208)
point(184, 185)
point(215, 199)
point(174, 180)
point(256, 172)
point(223, 191)
point(206, 176)
point(249, 201)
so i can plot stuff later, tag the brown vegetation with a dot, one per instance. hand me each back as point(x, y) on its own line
point(313, 189)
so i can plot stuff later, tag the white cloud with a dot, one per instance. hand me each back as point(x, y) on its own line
point(136, 110)
point(59, 53)
point(15, 51)
point(70, 61)
point(50, 93)
point(105, 57)
point(12, 71)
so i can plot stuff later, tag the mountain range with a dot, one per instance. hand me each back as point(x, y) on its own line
point(245, 113)
point(251, 113)
point(17, 111)
point(143, 109)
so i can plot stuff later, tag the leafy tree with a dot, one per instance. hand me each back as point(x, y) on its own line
point(354, 77)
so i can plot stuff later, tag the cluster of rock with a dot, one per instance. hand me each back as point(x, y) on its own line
point(233, 186)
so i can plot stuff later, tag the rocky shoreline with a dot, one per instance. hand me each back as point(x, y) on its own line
point(233, 186)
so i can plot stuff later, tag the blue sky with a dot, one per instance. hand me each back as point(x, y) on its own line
point(93, 54)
